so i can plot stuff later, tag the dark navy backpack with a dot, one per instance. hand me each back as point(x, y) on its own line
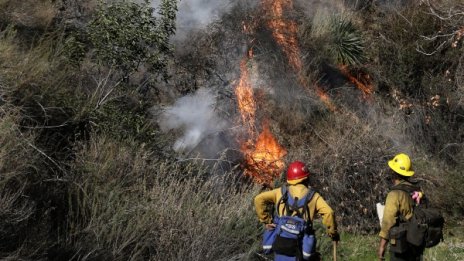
point(293, 235)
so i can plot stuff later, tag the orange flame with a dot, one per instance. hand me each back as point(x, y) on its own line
point(245, 98)
point(284, 31)
point(285, 34)
point(365, 85)
point(264, 161)
point(325, 99)
point(264, 157)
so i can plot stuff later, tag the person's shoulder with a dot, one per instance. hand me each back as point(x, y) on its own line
point(273, 190)
point(268, 192)
point(316, 193)
point(395, 193)
point(407, 186)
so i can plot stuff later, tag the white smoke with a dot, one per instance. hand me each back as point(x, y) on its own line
point(197, 14)
point(195, 115)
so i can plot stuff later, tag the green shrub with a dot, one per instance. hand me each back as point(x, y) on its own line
point(347, 46)
point(127, 35)
point(338, 37)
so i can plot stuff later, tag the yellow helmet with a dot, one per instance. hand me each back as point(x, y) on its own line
point(401, 164)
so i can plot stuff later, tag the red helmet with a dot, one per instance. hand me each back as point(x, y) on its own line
point(296, 172)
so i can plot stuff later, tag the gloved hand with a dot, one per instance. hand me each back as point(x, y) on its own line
point(335, 237)
point(417, 195)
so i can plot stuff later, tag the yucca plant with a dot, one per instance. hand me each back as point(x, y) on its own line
point(346, 45)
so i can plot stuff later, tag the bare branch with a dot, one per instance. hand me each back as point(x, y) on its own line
point(421, 50)
point(452, 29)
point(402, 16)
point(450, 13)
point(434, 37)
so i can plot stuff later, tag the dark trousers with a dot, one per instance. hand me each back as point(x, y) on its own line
point(412, 254)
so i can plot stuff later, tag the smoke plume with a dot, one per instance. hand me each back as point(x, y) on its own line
point(195, 115)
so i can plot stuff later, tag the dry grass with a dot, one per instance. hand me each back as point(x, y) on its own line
point(16, 209)
point(29, 13)
point(135, 210)
point(15, 146)
point(37, 66)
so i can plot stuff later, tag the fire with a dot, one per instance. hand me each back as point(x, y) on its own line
point(284, 31)
point(263, 154)
point(263, 157)
point(245, 98)
point(325, 99)
point(365, 85)
point(264, 161)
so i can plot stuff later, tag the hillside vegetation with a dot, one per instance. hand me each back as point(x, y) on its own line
point(87, 165)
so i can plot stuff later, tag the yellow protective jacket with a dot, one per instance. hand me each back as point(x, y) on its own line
point(316, 205)
point(397, 204)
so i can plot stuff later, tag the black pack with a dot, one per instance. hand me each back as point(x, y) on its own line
point(425, 228)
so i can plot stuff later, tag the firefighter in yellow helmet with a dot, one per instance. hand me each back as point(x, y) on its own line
point(399, 208)
point(297, 186)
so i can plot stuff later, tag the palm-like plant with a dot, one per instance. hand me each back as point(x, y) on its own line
point(345, 45)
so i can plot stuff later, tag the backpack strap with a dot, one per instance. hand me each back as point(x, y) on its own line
point(292, 205)
point(408, 189)
point(287, 200)
point(282, 200)
point(424, 202)
point(308, 198)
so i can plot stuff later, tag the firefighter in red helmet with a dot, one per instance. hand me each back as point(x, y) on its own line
point(297, 186)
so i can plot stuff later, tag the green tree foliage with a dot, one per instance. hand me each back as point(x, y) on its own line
point(126, 34)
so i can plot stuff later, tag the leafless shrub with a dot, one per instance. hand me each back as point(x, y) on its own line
point(460, 82)
point(451, 14)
